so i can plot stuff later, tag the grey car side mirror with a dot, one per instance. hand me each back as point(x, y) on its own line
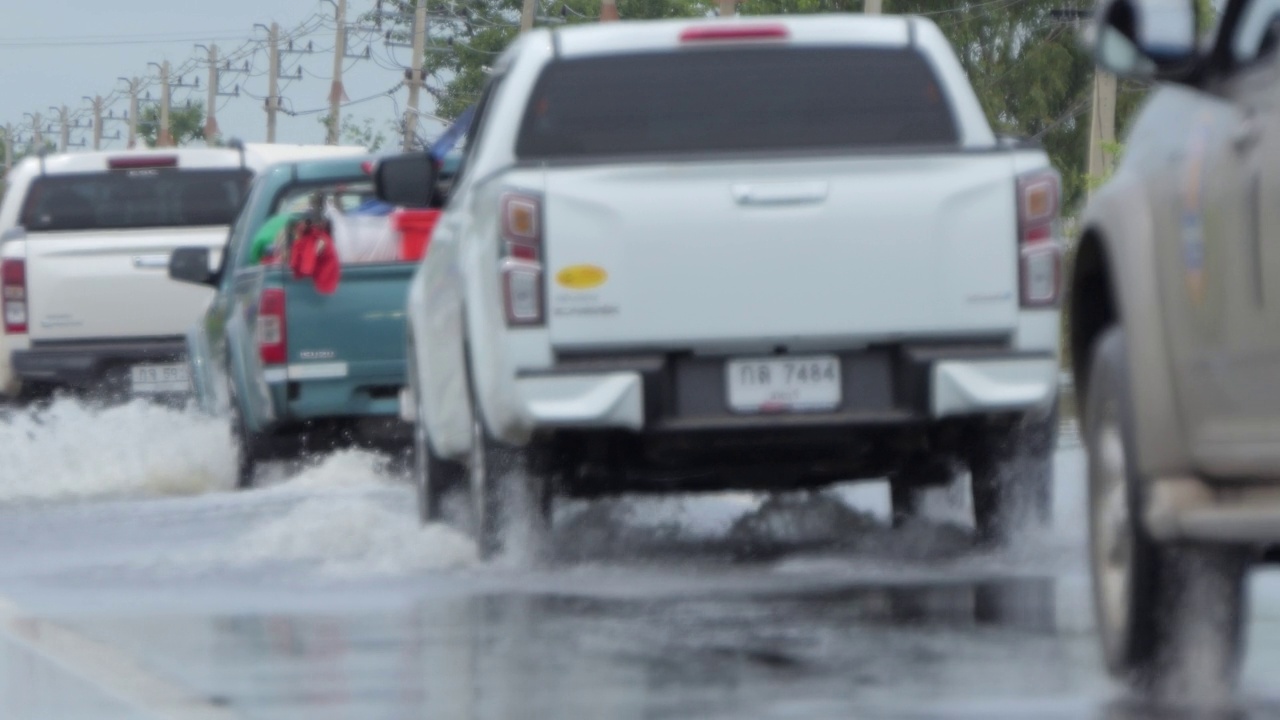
point(1146, 39)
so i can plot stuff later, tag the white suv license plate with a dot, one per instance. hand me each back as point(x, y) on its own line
point(784, 384)
point(157, 379)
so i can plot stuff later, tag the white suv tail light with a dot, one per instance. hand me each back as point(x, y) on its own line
point(1039, 252)
point(521, 260)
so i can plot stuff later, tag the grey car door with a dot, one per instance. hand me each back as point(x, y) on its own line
point(1231, 271)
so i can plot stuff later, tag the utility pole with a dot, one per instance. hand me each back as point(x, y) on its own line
point(336, 93)
point(728, 8)
point(64, 127)
point(37, 135)
point(164, 136)
point(415, 73)
point(211, 102)
point(527, 14)
point(96, 103)
point(273, 83)
point(1102, 124)
point(608, 10)
point(8, 149)
point(132, 117)
point(872, 7)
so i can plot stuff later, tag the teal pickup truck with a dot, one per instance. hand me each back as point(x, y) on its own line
point(306, 363)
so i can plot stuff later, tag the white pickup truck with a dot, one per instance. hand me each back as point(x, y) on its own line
point(87, 299)
point(764, 253)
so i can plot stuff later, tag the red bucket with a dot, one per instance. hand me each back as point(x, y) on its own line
point(415, 228)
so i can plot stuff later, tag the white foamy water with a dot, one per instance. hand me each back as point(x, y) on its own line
point(346, 514)
point(74, 451)
point(354, 535)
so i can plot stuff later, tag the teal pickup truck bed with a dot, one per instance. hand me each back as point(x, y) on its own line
point(346, 351)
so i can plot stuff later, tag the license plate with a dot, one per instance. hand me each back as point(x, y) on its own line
point(790, 384)
point(155, 379)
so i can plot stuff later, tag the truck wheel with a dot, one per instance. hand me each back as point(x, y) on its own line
point(907, 486)
point(1170, 616)
point(434, 477)
point(512, 500)
point(1011, 478)
point(244, 442)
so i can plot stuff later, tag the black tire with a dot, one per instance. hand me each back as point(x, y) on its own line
point(908, 484)
point(1011, 478)
point(512, 499)
point(245, 443)
point(1171, 616)
point(435, 478)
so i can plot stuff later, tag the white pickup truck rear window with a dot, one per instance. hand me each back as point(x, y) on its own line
point(137, 198)
point(736, 100)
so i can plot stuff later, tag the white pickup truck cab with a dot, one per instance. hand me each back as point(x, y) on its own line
point(87, 299)
point(768, 253)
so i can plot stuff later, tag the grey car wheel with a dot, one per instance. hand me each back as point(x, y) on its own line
point(1170, 616)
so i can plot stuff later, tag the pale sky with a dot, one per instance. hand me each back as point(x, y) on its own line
point(55, 52)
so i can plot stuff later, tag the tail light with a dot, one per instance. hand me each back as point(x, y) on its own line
point(721, 33)
point(521, 261)
point(1039, 253)
point(13, 280)
point(273, 344)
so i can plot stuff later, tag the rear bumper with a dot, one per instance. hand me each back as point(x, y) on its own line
point(1191, 509)
point(336, 390)
point(86, 364)
point(661, 393)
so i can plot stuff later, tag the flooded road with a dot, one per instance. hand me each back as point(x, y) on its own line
point(135, 584)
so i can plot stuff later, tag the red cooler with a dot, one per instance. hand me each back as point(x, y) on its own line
point(415, 228)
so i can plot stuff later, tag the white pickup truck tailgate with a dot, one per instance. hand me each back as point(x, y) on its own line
point(861, 248)
point(113, 283)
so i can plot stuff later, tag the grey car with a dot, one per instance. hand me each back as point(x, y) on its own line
point(1175, 333)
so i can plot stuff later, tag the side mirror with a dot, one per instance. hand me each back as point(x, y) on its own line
point(1146, 39)
point(406, 180)
point(191, 264)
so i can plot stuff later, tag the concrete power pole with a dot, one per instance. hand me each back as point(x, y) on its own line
point(96, 102)
point(134, 85)
point(728, 8)
point(1102, 124)
point(415, 73)
point(211, 104)
point(527, 15)
point(273, 92)
point(64, 128)
point(872, 7)
point(8, 149)
point(164, 136)
point(337, 93)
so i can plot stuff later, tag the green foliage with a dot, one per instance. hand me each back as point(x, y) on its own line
point(186, 124)
point(363, 133)
point(481, 29)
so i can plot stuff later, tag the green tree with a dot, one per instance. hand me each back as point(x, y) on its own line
point(363, 133)
point(470, 34)
point(186, 124)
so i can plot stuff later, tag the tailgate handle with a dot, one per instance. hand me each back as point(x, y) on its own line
point(781, 193)
point(151, 262)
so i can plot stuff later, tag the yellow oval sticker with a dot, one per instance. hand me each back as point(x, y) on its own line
point(582, 277)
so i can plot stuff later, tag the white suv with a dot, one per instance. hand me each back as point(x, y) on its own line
point(766, 253)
